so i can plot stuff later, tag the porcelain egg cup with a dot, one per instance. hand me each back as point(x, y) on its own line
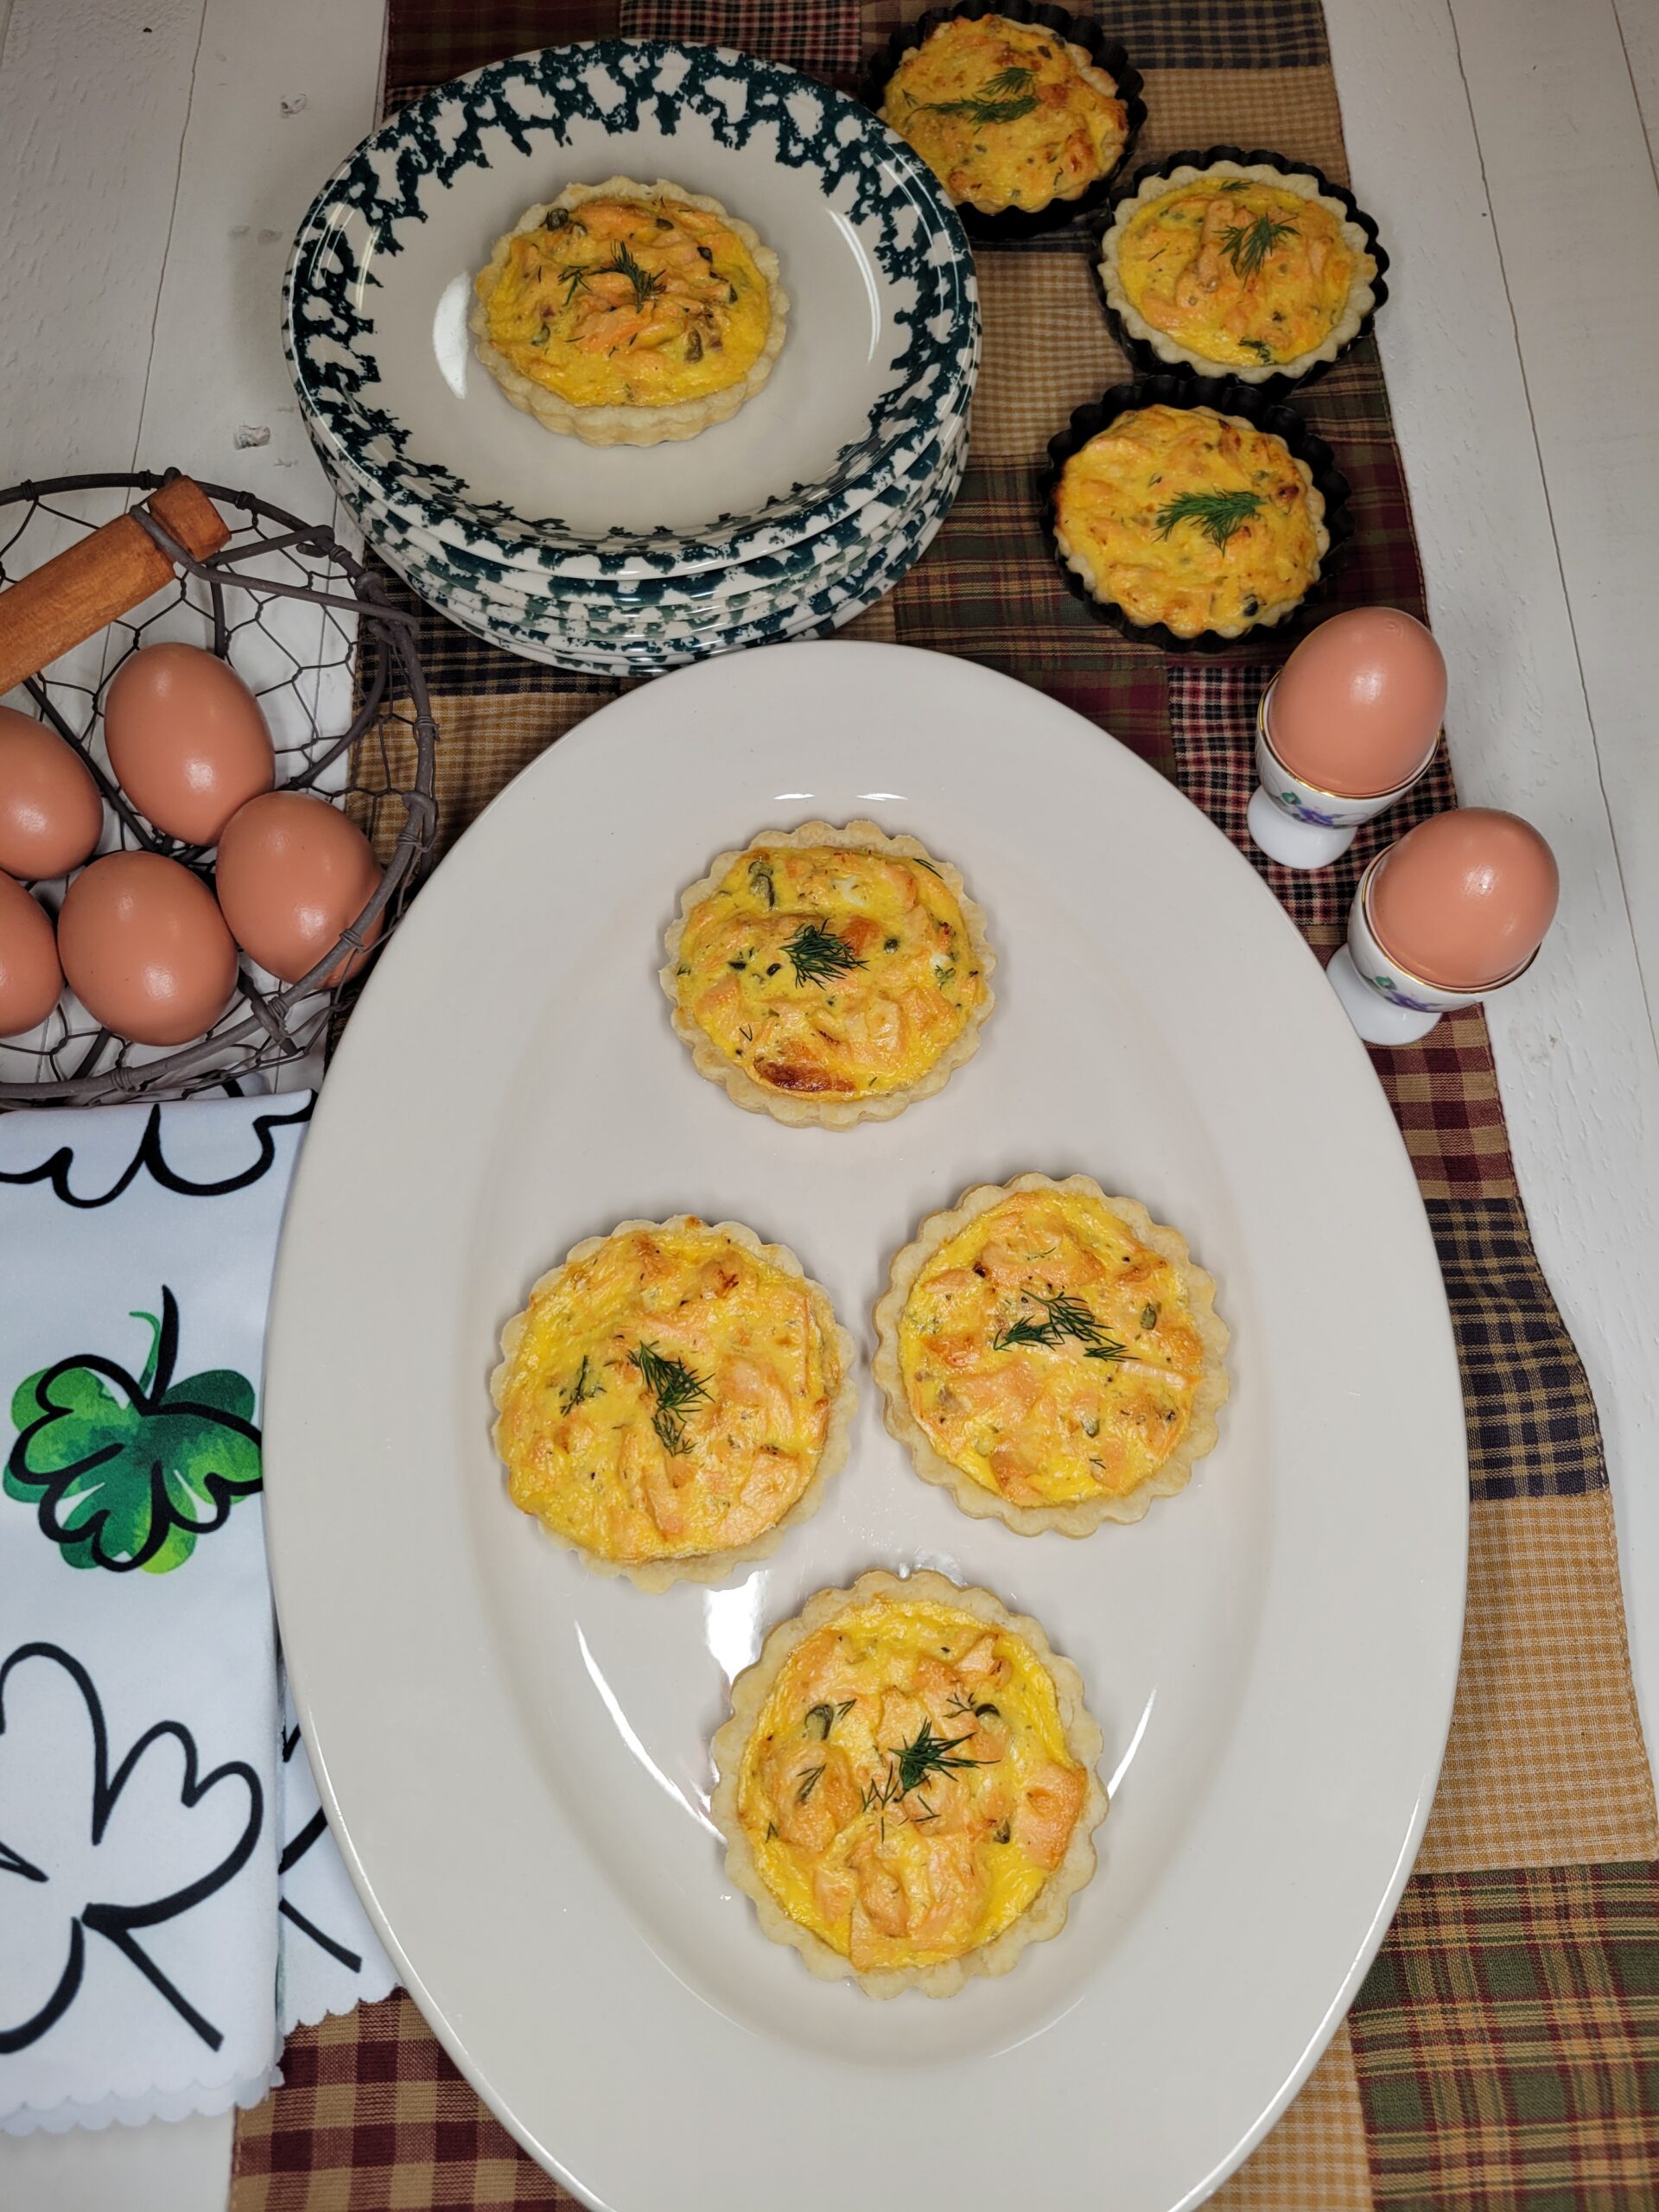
point(1386, 1003)
point(1297, 823)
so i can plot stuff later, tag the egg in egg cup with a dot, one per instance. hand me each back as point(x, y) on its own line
point(906, 1785)
point(829, 976)
point(1050, 1356)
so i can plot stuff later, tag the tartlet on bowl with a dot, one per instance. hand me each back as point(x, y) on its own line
point(906, 1784)
point(1024, 112)
point(1242, 265)
point(1050, 1356)
point(828, 975)
point(1191, 524)
point(627, 313)
point(674, 1397)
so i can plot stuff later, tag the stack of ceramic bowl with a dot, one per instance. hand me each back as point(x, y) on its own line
point(785, 521)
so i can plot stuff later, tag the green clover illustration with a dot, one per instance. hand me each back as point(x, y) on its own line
point(128, 1474)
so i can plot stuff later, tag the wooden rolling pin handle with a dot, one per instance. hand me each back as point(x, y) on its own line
point(87, 586)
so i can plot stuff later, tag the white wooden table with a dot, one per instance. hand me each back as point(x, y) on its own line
point(156, 155)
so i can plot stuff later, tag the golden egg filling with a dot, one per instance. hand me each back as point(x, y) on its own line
point(673, 1396)
point(906, 1784)
point(1050, 1355)
point(1253, 273)
point(1196, 520)
point(829, 976)
point(626, 313)
point(1007, 115)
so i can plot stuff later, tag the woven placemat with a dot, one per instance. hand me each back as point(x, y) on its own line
point(1503, 2051)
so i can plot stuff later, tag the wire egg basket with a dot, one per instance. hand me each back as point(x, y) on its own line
point(333, 666)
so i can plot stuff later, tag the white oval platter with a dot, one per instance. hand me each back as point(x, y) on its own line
point(514, 1751)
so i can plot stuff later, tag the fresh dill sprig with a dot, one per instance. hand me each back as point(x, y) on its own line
point(877, 1795)
point(676, 1388)
point(581, 1388)
point(1246, 245)
point(1064, 1316)
point(965, 1706)
point(1003, 98)
point(815, 954)
point(810, 1782)
point(575, 281)
point(1218, 514)
point(927, 1754)
point(647, 282)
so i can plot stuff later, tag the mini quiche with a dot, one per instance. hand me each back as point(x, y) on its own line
point(1248, 272)
point(1007, 115)
point(1050, 1356)
point(1196, 520)
point(673, 1397)
point(626, 313)
point(906, 1785)
point(829, 976)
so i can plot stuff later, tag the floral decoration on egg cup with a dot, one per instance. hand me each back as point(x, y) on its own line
point(1387, 1003)
point(1298, 824)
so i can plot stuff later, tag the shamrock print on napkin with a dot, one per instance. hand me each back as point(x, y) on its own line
point(127, 1472)
point(95, 1849)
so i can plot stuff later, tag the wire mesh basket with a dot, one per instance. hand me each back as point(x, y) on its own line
point(333, 666)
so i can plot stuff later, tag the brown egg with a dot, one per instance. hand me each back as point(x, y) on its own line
point(145, 949)
point(51, 815)
point(1465, 898)
point(1359, 703)
point(293, 873)
point(187, 739)
point(31, 981)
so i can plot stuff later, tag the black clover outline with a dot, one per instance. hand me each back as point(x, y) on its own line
point(150, 1156)
point(293, 1851)
point(115, 1923)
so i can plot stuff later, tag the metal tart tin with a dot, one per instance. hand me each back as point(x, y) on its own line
point(1223, 398)
point(1106, 53)
point(1145, 358)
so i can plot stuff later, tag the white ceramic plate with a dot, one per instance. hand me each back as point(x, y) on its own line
point(514, 1751)
point(883, 332)
point(821, 564)
point(557, 642)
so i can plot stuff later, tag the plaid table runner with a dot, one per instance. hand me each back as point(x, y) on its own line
point(1503, 2051)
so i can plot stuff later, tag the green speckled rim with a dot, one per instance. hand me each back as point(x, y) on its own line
point(905, 220)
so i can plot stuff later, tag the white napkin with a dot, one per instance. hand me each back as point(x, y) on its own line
point(169, 1904)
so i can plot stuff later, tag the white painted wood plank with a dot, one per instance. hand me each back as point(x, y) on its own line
point(1576, 1056)
point(93, 97)
point(281, 96)
point(1638, 23)
point(1578, 236)
point(180, 2165)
